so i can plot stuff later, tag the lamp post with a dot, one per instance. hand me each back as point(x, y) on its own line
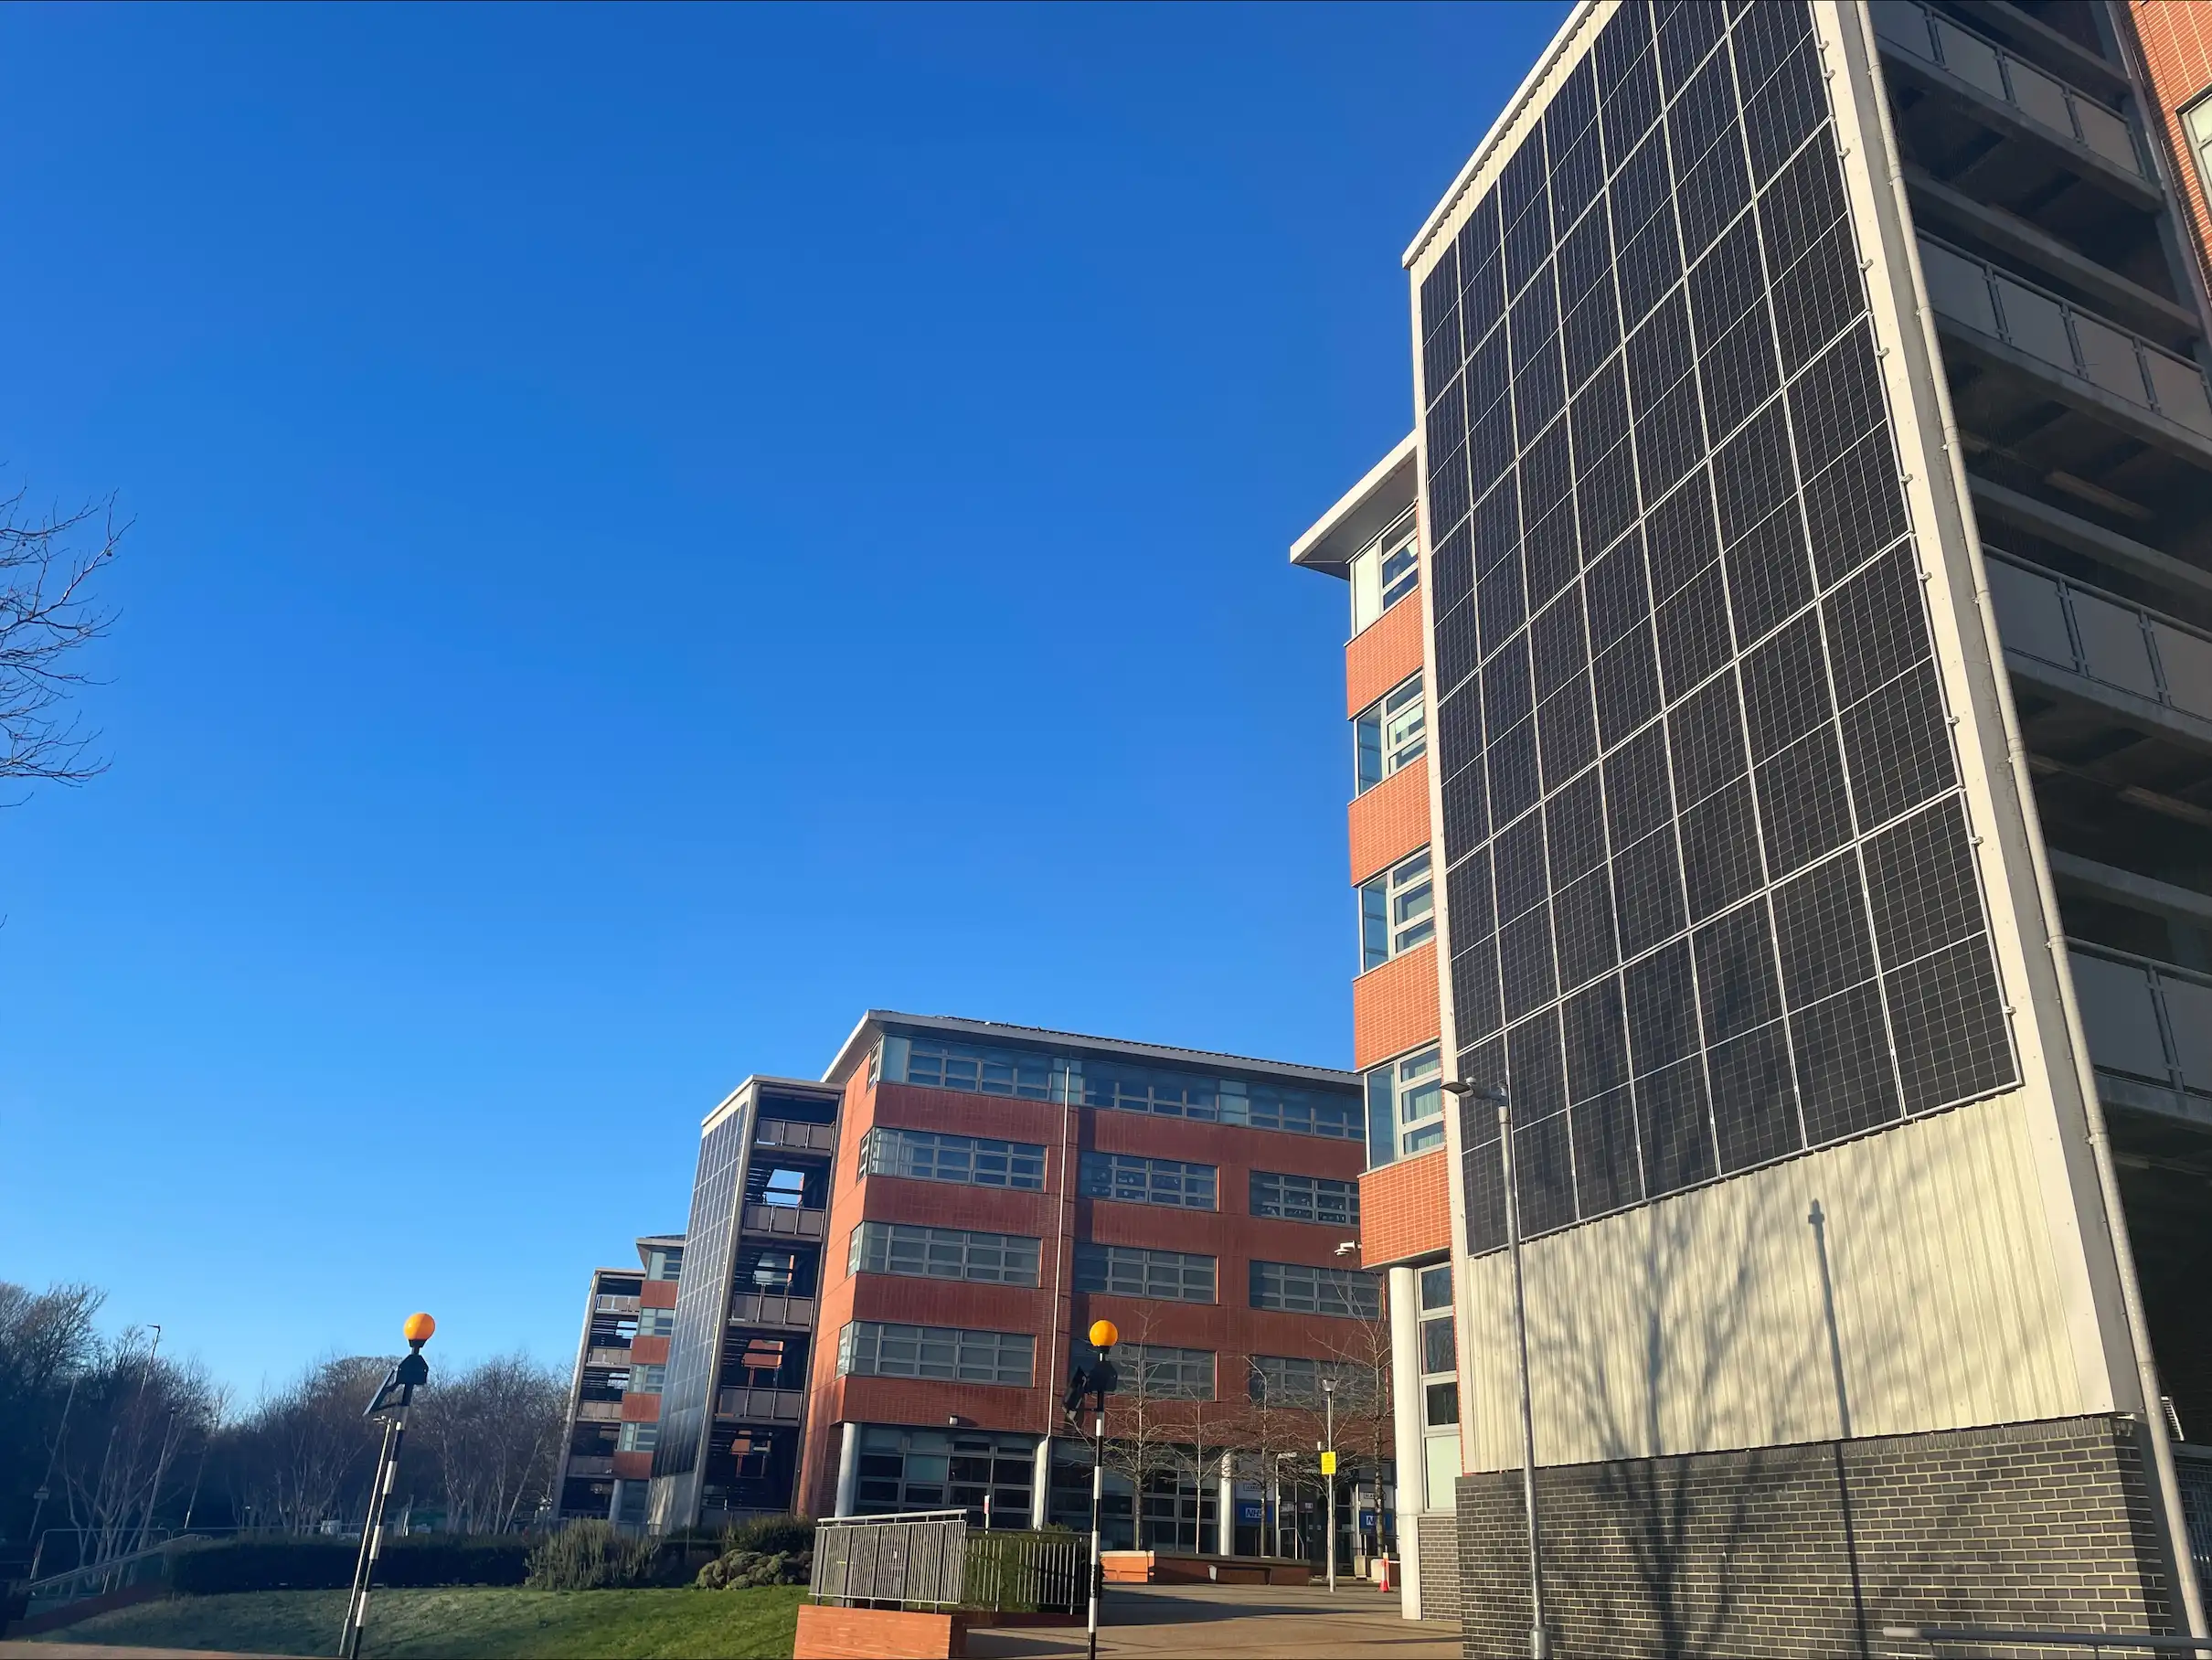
point(1099, 1380)
point(1539, 1638)
point(393, 1399)
point(1328, 1470)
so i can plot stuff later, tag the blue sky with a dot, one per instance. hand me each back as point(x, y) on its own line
point(655, 531)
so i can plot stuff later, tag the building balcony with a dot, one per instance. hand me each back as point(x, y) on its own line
point(599, 1411)
point(590, 1465)
point(2149, 1025)
point(761, 1405)
point(606, 1305)
point(1933, 42)
point(604, 1354)
point(2056, 336)
point(784, 1221)
point(785, 1135)
point(2143, 669)
point(770, 1308)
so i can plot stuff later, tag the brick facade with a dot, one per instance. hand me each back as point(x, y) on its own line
point(1405, 1209)
point(1381, 655)
point(2175, 36)
point(1437, 1538)
point(1808, 1551)
point(1395, 1006)
point(1389, 821)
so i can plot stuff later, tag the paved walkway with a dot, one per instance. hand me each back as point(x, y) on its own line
point(30, 1648)
point(1236, 1623)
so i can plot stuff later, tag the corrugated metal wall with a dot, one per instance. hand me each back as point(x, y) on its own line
point(1699, 1322)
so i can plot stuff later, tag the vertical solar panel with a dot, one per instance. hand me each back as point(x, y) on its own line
point(1711, 892)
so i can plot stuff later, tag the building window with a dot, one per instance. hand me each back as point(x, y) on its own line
point(1406, 1106)
point(874, 1349)
point(972, 1160)
point(1299, 1288)
point(1295, 1380)
point(1390, 735)
point(2196, 120)
point(1163, 1091)
point(1131, 1270)
point(1396, 911)
point(1136, 1180)
point(1305, 1198)
point(648, 1379)
point(1024, 1074)
point(664, 1262)
point(943, 1253)
point(655, 1322)
point(1150, 1372)
point(1383, 573)
point(638, 1437)
point(904, 1469)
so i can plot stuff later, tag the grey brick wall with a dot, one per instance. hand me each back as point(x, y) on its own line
point(1439, 1543)
point(1786, 1552)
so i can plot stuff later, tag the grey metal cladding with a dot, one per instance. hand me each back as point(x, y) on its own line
point(1711, 892)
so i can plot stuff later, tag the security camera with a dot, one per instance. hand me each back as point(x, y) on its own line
point(1349, 1248)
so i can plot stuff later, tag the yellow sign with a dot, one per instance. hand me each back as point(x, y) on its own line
point(1328, 1463)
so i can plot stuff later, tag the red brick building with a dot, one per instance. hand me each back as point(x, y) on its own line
point(615, 1396)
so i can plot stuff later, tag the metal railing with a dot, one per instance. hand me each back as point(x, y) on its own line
point(2144, 1019)
point(607, 1302)
point(99, 1579)
point(1983, 64)
point(1938, 1638)
point(2055, 331)
point(770, 1308)
point(789, 1133)
point(915, 1559)
point(2101, 636)
point(1027, 1572)
point(768, 1406)
point(785, 1221)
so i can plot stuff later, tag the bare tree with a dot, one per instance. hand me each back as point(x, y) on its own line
point(122, 1456)
point(47, 615)
point(48, 1344)
point(491, 1434)
point(305, 1454)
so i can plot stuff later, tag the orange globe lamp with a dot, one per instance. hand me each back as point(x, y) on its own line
point(418, 1329)
point(1104, 1333)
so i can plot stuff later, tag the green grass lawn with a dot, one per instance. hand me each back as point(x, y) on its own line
point(469, 1622)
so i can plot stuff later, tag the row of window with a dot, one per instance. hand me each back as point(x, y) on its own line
point(1396, 911)
point(1406, 1106)
point(874, 1349)
point(1126, 1271)
point(1390, 735)
point(1130, 1178)
point(1167, 1093)
point(1383, 573)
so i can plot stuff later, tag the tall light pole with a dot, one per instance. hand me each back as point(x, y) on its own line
point(1328, 1468)
point(393, 1399)
point(1098, 1379)
point(1539, 1638)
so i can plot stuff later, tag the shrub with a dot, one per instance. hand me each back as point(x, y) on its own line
point(590, 1555)
point(328, 1564)
point(770, 1535)
point(747, 1569)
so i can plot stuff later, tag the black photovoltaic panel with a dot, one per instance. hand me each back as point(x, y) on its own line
point(1711, 898)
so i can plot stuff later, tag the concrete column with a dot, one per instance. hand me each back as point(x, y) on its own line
point(1406, 1420)
point(848, 1468)
point(1040, 1483)
point(614, 1503)
point(1225, 1531)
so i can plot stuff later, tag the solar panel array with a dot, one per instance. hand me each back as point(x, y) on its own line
point(1711, 899)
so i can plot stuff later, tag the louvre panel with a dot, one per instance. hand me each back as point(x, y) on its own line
point(1746, 918)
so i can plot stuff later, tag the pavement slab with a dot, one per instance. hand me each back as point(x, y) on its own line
point(1236, 1623)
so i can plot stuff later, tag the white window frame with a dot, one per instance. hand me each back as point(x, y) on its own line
point(2197, 127)
point(971, 1161)
point(1390, 734)
point(1396, 910)
point(940, 1354)
point(1384, 572)
point(1304, 1288)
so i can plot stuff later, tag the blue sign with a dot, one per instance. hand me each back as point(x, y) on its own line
point(1367, 1521)
point(1250, 1510)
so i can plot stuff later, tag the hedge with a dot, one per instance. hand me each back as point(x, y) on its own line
point(328, 1564)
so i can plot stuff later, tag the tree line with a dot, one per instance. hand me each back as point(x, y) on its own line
point(107, 1443)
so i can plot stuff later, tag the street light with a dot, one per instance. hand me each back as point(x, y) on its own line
point(1539, 1640)
point(1098, 1379)
point(392, 1398)
point(1328, 1468)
